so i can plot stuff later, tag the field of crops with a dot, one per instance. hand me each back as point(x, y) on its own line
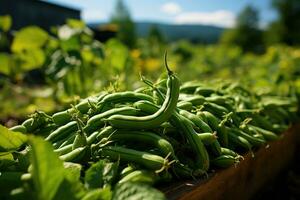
point(45, 72)
point(89, 120)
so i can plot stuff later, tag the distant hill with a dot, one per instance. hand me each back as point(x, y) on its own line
point(195, 33)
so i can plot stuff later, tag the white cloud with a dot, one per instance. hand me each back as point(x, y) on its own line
point(91, 15)
point(171, 8)
point(221, 18)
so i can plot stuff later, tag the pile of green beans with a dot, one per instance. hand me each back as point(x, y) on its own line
point(166, 130)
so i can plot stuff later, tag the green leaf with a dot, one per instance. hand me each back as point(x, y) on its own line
point(74, 169)
point(31, 37)
point(5, 22)
point(101, 174)
point(6, 160)
point(72, 43)
point(117, 54)
point(47, 170)
point(32, 59)
point(136, 191)
point(9, 140)
point(71, 188)
point(51, 180)
point(75, 23)
point(5, 63)
point(99, 194)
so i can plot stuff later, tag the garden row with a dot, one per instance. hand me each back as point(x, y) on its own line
point(162, 132)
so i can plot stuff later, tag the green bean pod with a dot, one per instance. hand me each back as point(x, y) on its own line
point(186, 129)
point(98, 121)
point(226, 151)
point(215, 109)
point(195, 100)
point(62, 132)
point(189, 88)
point(156, 119)
point(163, 145)
point(121, 97)
point(80, 140)
point(239, 141)
point(253, 140)
point(64, 150)
point(197, 121)
point(207, 138)
point(201, 155)
point(215, 124)
point(140, 176)
point(185, 105)
point(63, 117)
point(76, 155)
point(268, 135)
point(19, 128)
point(215, 148)
point(204, 91)
point(148, 160)
point(224, 161)
point(34, 123)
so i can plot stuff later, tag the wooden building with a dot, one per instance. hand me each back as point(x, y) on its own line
point(36, 12)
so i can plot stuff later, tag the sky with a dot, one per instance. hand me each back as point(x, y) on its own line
point(209, 12)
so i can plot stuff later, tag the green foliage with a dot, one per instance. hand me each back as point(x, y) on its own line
point(31, 59)
point(155, 36)
point(246, 33)
point(131, 190)
point(126, 28)
point(98, 194)
point(9, 140)
point(71, 63)
point(287, 28)
point(5, 23)
point(5, 63)
point(47, 169)
point(101, 174)
point(116, 55)
point(51, 180)
point(29, 38)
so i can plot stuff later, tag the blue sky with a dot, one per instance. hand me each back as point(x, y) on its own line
point(212, 12)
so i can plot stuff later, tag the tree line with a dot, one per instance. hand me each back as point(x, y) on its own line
point(246, 33)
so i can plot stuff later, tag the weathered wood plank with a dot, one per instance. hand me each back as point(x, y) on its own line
point(246, 178)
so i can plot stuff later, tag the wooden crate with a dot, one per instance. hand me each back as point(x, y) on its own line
point(246, 178)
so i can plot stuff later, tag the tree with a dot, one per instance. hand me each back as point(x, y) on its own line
point(155, 35)
point(126, 28)
point(286, 29)
point(246, 33)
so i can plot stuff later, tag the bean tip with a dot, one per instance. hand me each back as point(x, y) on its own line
point(170, 72)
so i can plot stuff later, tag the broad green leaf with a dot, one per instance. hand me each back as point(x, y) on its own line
point(75, 23)
point(5, 22)
point(99, 194)
point(6, 160)
point(32, 59)
point(9, 140)
point(101, 174)
point(72, 43)
point(74, 169)
point(51, 179)
point(137, 191)
point(31, 37)
point(116, 54)
point(5, 63)
point(47, 169)
point(71, 188)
